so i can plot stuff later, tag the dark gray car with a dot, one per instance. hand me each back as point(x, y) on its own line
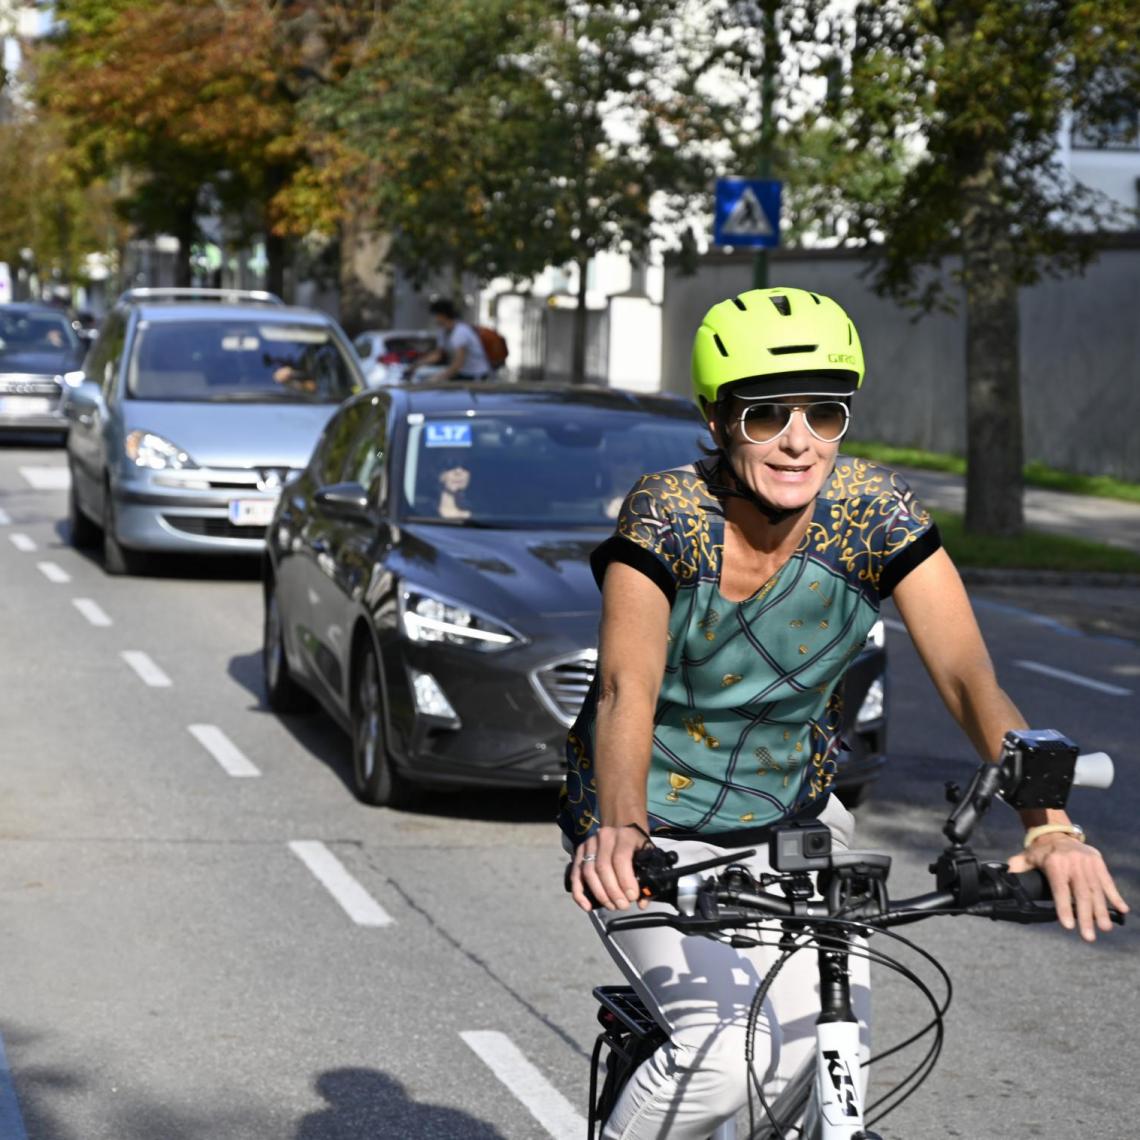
point(192, 415)
point(38, 346)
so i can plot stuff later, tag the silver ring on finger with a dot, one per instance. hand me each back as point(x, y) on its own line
point(589, 858)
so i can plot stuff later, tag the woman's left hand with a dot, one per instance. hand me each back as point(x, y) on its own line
point(1079, 881)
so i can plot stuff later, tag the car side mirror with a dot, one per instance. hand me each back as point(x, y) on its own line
point(83, 397)
point(347, 501)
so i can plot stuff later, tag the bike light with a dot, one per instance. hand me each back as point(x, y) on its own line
point(873, 705)
point(145, 449)
point(426, 617)
point(430, 698)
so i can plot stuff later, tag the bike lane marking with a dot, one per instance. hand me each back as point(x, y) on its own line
point(147, 670)
point(46, 478)
point(53, 572)
point(233, 761)
point(11, 1122)
point(23, 543)
point(92, 611)
point(1074, 678)
point(541, 1099)
point(330, 872)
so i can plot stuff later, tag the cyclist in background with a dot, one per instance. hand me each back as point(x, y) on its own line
point(735, 592)
point(459, 347)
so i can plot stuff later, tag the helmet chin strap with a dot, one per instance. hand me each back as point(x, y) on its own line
point(741, 490)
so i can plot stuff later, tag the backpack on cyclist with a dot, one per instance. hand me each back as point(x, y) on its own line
point(494, 346)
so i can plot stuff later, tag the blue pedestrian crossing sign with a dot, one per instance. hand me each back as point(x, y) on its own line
point(747, 212)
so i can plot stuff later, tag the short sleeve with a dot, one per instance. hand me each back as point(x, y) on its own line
point(645, 538)
point(908, 533)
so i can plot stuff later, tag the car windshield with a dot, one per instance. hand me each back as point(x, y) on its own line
point(255, 360)
point(35, 332)
point(555, 467)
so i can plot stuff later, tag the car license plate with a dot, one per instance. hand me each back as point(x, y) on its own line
point(25, 405)
point(252, 512)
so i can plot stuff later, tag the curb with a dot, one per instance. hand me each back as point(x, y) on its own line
point(990, 576)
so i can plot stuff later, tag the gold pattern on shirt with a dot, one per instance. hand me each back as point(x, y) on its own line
point(677, 784)
point(695, 727)
point(747, 817)
point(730, 679)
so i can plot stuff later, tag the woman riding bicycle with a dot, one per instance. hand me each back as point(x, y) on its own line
point(735, 592)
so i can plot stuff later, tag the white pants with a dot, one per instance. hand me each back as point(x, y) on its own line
point(700, 992)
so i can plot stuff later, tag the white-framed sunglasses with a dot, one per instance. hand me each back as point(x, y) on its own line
point(764, 420)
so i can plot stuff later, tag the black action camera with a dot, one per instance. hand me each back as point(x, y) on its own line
point(804, 846)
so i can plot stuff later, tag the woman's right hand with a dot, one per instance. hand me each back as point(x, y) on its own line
point(603, 869)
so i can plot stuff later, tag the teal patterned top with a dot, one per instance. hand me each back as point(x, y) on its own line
point(747, 726)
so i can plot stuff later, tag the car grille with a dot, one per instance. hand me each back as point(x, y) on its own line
point(27, 384)
point(211, 527)
point(239, 479)
point(563, 684)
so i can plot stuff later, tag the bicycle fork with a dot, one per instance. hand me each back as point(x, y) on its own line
point(838, 1087)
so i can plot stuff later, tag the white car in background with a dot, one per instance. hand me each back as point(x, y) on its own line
point(386, 353)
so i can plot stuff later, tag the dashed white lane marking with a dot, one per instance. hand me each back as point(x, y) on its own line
point(92, 611)
point(5, 518)
point(23, 542)
point(47, 478)
point(11, 1122)
point(147, 670)
point(53, 572)
point(227, 754)
point(897, 626)
point(356, 902)
point(544, 1102)
point(1074, 678)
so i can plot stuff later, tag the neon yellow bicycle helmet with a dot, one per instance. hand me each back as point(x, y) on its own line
point(776, 342)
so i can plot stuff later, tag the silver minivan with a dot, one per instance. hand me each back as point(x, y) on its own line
point(193, 409)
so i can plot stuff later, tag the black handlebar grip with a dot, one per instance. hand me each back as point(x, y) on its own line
point(566, 877)
point(1034, 884)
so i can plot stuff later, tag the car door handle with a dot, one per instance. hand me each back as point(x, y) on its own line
point(86, 418)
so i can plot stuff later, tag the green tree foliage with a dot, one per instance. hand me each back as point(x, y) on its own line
point(502, 136)
point(978, 90)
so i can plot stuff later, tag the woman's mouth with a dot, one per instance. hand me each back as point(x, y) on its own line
point(790, 472)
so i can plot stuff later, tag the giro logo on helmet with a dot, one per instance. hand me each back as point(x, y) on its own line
point(840, 358)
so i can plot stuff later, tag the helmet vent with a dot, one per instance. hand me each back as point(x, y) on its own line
point(739, 304)
point(850, 332)
point(815, 298)
point(720, 344)
point(783, 305)
point(785, 349)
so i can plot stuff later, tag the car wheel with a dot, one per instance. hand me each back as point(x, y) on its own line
point(84, 533)
point(374, 779)
point(116, 558)
point(282, 692)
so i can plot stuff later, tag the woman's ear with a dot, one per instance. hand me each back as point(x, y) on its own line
point(712, 416)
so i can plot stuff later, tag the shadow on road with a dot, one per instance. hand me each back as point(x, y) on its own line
point(58, 1103)
point(365, 1104)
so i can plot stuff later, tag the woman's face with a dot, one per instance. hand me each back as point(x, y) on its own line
point(787, 471)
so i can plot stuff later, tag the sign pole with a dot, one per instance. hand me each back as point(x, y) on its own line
point(767, 126)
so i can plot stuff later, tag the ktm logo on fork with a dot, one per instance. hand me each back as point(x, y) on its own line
point(842, 1082)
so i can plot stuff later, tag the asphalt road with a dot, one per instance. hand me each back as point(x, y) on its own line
point(172, 966)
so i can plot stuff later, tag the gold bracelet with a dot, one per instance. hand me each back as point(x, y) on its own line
point(1073, 829)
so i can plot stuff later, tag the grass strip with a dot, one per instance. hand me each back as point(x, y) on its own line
point(1032, 550)
point(1036, 474)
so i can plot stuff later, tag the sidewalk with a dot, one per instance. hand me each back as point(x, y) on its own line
point(1108, 521)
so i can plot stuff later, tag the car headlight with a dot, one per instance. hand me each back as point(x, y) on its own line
point(427, 617)
point(145, 449)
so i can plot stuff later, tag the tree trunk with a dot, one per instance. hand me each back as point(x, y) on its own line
point(185, 230)
point(581, 315)
point(995, 448)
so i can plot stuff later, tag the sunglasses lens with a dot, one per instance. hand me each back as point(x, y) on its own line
point(828, 420)
point(761, 422)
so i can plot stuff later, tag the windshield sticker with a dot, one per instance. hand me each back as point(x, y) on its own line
point(448, 435)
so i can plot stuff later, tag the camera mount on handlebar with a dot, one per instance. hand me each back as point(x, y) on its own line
point(1035, 770)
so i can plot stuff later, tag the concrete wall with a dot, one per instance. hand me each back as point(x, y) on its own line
point(1080, 355)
